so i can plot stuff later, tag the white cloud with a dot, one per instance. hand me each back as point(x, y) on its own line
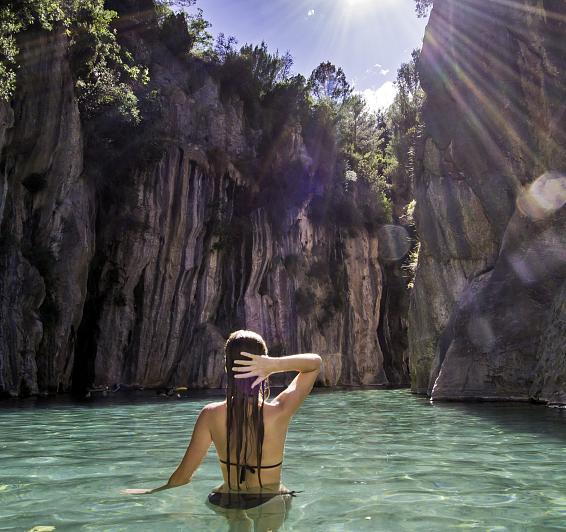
point(380, 98)
point(378, 67)
point(310, 13)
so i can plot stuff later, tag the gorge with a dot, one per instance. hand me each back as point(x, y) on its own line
point(129, 253)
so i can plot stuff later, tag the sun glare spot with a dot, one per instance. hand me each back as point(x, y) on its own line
point(357, 4)
point(372, 3)
point(365, 6)
point(544, 196)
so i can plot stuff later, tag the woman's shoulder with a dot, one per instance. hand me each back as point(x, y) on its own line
point(214, 414)
point(215, 407)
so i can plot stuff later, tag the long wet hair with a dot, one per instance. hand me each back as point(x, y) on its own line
point(244, 404)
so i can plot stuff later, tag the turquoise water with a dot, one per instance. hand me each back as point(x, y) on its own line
point(366, 460)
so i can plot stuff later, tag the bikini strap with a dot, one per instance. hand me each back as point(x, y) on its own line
point(271, 466)
point(251, 469)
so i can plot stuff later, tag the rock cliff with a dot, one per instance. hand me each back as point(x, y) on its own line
point(486, 319)
point(130, 267)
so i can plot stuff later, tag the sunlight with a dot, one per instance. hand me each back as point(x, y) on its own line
point(365, 4)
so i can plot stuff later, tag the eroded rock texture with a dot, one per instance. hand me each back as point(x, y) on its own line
point(132, 270)
point(487, 311)
point(46, 222)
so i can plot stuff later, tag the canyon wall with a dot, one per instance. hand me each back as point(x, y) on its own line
point(131, 270)
point(486, 319)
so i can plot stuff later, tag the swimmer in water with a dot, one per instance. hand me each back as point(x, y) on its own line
point(248, 432)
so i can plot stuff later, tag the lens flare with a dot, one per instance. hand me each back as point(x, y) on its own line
point(394, 242)
point(544, 196)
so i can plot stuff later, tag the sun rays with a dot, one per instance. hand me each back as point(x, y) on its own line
point(476, 64)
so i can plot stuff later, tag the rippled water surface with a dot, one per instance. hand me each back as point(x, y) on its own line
point(365, 460)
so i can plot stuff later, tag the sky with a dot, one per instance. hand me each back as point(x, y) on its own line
point(369, 39)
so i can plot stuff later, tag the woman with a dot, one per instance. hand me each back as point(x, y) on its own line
point(248, 432)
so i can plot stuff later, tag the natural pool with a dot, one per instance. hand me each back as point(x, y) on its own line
point(365, 460)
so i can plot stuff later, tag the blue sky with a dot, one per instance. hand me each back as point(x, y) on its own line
point(369, 39)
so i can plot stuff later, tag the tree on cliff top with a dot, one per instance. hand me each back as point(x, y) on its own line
point(267, 68)
point(253, 71)
point(405, 121)
point(422, 7)
point(103, 70)
point(182, 32)
point(404, 115)
point(329, 83)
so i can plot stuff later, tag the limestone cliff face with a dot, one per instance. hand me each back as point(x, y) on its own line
point(487, 310)
point(46, 218)
point(138, 282)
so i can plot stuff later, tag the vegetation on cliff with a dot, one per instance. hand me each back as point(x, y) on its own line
point(351, 145)
point(105, 73)
point(150, 85)
point(404, 118)
point(422, 7)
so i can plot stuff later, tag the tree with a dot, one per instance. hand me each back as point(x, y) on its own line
point(408, 81)
point(360, 129)
point(181, 31)
point(355, 121)
point(198, 30)
point(224, 47)
point(422, 7)
point(329, 83)
point(404, 113)
point(404, 117)
point(266, 68)
point(104, 71)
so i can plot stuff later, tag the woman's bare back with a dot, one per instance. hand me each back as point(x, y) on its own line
point(276, 423)
point(210, 426)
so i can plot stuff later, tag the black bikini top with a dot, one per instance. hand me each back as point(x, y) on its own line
point(251, 469)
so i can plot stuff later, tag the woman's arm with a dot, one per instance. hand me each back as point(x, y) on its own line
point(196, 451)
point(290, 399)
point(263, 366)
point(303, 363)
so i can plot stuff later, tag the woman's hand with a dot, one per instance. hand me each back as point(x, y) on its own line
point(258, 366)
point(147, 491)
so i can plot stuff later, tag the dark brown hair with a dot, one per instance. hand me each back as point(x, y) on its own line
point(244, 405)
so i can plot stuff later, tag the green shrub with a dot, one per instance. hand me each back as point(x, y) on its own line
point(175, 34)
point(411, 265)
point(104, 72)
